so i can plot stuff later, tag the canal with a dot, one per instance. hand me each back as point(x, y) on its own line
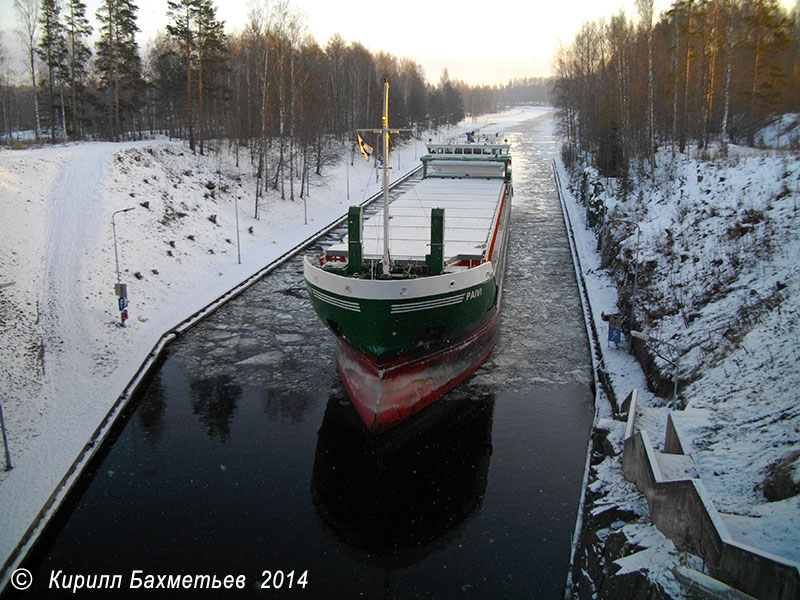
point(243, 455)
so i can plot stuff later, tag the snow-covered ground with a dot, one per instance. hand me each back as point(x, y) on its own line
point(719, 278)
point(65, 357)
point(784, 132)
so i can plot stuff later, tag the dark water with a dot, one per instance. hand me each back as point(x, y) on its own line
point(244, 455)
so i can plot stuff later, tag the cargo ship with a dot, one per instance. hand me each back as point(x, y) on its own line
point(413, 294)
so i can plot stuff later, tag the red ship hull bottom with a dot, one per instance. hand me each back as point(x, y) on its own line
point(387, 394)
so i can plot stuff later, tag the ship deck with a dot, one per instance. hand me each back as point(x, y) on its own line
point(470, 209)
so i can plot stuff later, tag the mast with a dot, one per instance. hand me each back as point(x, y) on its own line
point(385, 131)
point(386, 259)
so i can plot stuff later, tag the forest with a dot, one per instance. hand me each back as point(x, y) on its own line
point(707, 71)
point(270, 88)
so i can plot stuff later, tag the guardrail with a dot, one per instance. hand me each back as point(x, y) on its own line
point(101, 433)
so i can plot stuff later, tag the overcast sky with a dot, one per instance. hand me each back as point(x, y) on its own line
point(480, 42)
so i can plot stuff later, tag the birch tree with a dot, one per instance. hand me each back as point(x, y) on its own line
point(6, 98)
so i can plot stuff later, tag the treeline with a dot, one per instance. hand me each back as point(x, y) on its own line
point(270, 87)
point(707, 70)
point(479, 100)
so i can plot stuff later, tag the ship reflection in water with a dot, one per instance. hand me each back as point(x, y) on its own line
point(395, 498)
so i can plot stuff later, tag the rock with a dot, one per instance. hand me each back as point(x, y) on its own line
point(780, 483)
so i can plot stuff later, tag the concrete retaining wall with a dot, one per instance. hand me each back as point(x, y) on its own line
point(683, 511)
point(673, 442)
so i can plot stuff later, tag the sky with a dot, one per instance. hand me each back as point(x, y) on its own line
point(481, 43)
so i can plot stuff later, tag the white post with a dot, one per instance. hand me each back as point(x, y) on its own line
point(238, 242)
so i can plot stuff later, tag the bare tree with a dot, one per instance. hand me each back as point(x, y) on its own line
point(710, 55)
point(4, 70)
point(728, 66)
point(645, 9)
point(686, 80)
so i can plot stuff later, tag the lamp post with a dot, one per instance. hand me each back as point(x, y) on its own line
point(676, 362)
point(120, 289)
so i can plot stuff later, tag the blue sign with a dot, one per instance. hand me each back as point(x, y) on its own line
point(123, 302)
point(614, 335)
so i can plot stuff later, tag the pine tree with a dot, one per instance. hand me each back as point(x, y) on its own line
point(77, 30)
point(768, 27)
point(118, 63)
point(53, 52)
point(415, 92)
point(28, 16)
point(183, 15)
point(211, 58)
point(453, 102)
point(201, 37)
point(167, 76)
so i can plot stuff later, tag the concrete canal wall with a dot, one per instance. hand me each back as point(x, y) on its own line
point(682, 509)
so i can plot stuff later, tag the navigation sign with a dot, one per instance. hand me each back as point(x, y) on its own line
point(614, 329)
point(121, 290)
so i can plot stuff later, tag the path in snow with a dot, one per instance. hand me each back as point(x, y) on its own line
point(75, 212)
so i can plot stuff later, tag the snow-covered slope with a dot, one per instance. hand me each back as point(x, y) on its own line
point(718, 278)
point(66, 359)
